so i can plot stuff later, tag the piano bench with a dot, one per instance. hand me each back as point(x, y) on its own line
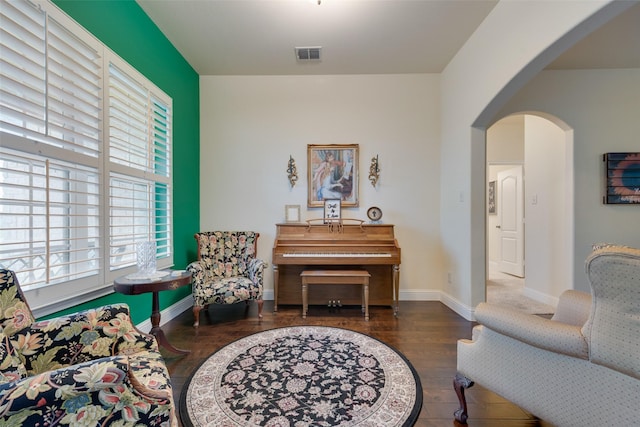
point(335, 277)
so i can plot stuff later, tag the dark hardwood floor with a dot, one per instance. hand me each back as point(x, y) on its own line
point(425, 332)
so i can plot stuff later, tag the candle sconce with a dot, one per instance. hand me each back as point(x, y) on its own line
point(374, 171)
point(292, 171)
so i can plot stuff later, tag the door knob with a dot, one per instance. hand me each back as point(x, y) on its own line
point(497, 226)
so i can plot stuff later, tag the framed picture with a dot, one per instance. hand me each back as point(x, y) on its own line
point(332, 174)
point(491, 202)
point(292, 213)
point(332, 210)
point(623, 178)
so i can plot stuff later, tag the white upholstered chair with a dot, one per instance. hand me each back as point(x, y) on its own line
point(579, 368)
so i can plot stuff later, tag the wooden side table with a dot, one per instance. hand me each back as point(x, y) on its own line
point(133, 286)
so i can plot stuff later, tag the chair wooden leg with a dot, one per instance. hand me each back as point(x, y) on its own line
point(260, 304)
point(196, 316)
point(460, 382)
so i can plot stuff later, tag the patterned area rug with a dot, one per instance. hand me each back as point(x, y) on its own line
point(303, 376)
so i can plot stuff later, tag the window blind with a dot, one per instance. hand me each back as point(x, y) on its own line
point(74, 90)
point(22, 68)
point(139, 153)
point(49, 219)
point(85, 158)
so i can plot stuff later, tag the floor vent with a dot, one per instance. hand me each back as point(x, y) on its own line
point(308, 53)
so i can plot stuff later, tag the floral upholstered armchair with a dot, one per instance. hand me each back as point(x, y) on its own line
point(227, 270)
point(91, 368)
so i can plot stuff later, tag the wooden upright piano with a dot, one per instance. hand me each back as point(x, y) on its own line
point(341, 246)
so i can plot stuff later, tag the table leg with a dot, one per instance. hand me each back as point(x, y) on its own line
point(155, 327)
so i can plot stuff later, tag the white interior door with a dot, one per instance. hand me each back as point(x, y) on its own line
point(510, 211)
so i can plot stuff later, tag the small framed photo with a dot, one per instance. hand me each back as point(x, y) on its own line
point(332, 210)
point(292, 213)
point(491, 202)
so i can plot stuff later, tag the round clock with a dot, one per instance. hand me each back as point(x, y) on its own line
point(374, 213)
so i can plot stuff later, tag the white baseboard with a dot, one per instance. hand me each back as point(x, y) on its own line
point(419, 295)
point(461, 309)
point(408, 295)
point(186, 303)
point(540, 297)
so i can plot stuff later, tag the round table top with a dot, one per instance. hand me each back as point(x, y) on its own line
point(134, 284)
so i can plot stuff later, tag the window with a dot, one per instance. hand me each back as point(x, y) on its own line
point(139, 154)
point(85, 159)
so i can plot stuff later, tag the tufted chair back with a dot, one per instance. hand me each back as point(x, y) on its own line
point(226, 253)
point(613, 327)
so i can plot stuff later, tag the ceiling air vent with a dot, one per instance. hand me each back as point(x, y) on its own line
point(308, 53)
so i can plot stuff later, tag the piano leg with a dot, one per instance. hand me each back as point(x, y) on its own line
point(305, 297)
point(396, 288)
point(275, 288)
point(365, 298)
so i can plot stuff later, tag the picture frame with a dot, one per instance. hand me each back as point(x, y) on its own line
point(622, 179)
point(292, 213)
point(332, 174)
point(332, 210)
point(491, 201)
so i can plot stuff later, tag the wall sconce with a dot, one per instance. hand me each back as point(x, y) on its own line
point(374, 171)
point(292, 171)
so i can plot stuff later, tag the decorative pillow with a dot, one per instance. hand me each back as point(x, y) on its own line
point(11, 367)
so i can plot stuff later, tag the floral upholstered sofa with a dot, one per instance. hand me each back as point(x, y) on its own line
point(579, 368)
point(91, 368)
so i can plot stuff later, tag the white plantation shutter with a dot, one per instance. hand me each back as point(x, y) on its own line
point(161, 136)
point(51, 80)
point(139, 153)
point(22, 69)
point(49, 218)
point(128, 127)
point(85, 157)
point(74, 90)
point(134, 204)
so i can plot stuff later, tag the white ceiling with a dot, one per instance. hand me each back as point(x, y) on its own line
point(258, 37)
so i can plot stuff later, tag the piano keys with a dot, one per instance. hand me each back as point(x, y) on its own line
point(371, 247)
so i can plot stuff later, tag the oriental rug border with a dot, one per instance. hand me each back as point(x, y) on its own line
point(303, 376)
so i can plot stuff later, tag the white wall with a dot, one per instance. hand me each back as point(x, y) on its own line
point(542, 146)
point(505, 141)
point(602, 107)
point(251, 124)
point(488, 70)
point(505, 148)
point(430, 139)
point(546, 206)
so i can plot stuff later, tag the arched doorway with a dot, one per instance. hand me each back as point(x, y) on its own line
point(541, 146)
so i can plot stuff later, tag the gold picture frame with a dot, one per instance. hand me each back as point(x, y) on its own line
point(332, 174)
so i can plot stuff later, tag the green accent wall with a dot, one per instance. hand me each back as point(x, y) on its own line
point(123, 26)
